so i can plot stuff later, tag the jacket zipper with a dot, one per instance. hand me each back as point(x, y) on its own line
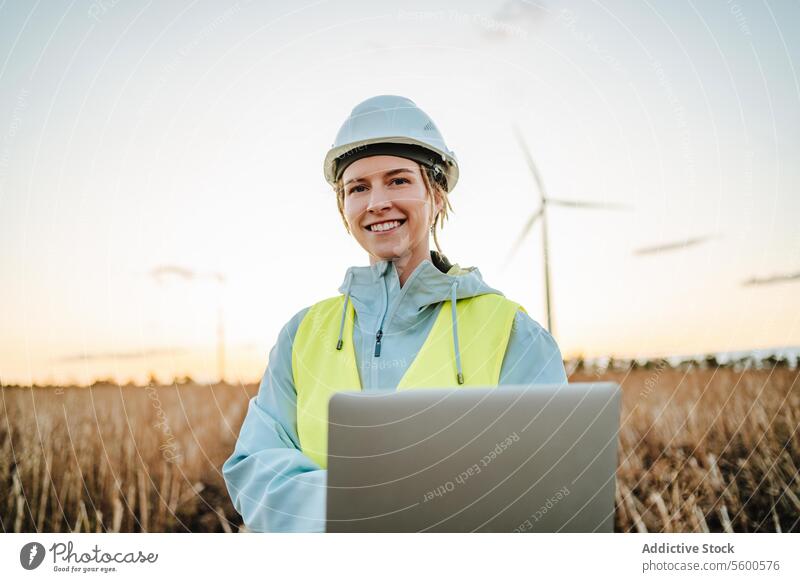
point(379, 333)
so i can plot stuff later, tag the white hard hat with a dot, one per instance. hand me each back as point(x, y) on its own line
point(391, 125)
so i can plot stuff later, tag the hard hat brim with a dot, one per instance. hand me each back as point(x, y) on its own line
point(449, 162)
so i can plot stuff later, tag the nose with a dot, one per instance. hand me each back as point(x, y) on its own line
point(380, 199)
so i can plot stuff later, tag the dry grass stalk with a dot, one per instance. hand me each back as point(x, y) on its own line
point(703, 450)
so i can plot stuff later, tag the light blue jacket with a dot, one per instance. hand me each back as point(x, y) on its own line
point(273, 485)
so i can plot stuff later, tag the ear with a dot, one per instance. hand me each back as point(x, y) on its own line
point(438, 203)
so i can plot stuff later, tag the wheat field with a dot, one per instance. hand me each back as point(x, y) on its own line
point(701, 449)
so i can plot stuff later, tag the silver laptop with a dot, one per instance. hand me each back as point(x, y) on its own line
point(537, 458)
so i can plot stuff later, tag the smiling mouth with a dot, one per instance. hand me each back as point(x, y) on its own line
point(385, 226)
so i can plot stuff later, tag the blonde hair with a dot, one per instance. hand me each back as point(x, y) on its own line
point(434, 189)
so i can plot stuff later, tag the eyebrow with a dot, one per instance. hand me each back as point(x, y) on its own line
point(385, 175)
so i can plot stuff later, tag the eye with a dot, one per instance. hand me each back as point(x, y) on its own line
point(402, 179)
point(353, 189)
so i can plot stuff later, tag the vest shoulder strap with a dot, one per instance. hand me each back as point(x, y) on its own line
point(484, 325)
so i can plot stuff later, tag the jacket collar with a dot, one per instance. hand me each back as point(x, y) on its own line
point(425, 286)
point(377, 289)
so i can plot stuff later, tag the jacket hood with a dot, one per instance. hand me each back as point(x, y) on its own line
point(427, 284)
point(434, 280)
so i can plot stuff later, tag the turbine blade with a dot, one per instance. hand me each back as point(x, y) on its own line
point(585, 204)
point(779, 278)
point(529, 160)
point(525, 230)
point(172, 270)
point(672, 246)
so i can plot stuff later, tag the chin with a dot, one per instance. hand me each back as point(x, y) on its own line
point(388, 251)
point(387, 255)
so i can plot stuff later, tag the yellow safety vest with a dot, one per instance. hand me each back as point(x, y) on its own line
point(319, 369)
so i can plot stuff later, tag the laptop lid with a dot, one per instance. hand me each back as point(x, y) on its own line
point(539, 458)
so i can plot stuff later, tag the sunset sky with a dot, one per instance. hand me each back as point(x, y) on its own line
point(140, 134)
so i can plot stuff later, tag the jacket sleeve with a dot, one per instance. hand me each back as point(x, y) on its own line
point(532, 355)
point(272, 484)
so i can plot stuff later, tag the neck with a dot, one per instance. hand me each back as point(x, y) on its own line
point(406, 264)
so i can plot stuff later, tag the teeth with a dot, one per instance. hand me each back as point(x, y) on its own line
point(384, 226)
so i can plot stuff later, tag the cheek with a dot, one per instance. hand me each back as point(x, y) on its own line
point(351, 211)
point(415, 205)
point(417, 212)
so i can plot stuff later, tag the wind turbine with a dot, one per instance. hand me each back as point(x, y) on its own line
point(544, 202)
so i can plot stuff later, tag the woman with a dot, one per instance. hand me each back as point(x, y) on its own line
point(409, 320)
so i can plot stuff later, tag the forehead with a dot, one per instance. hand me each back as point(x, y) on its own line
point(373, 166)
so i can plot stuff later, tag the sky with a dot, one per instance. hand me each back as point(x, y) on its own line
point(135, 135)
